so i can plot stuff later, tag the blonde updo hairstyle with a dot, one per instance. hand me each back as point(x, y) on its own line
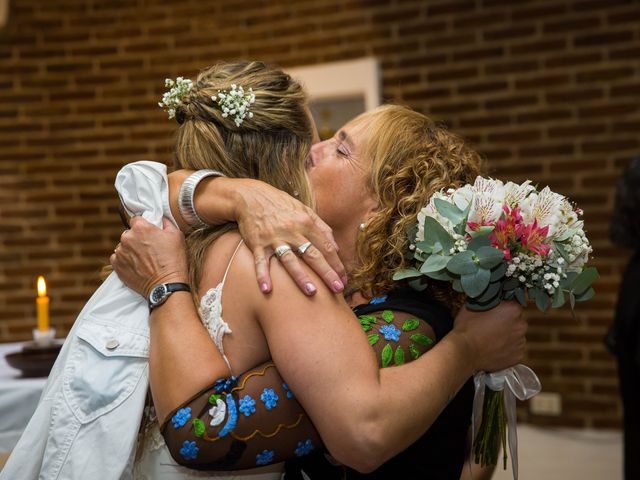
point(271, 146)
point(412, 158)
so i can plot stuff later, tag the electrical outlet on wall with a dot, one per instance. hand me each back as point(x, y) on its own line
point(546, 403)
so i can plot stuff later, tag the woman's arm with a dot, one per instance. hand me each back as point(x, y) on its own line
point(267, 218)
point(372, 414)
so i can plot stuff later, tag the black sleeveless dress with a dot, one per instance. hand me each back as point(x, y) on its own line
point(440, 453)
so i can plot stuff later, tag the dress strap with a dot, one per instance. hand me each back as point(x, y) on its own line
point(231, 261)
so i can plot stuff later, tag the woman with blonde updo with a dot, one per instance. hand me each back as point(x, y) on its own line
point(335, 390)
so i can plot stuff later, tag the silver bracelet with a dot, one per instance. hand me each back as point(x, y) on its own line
point(185, 197)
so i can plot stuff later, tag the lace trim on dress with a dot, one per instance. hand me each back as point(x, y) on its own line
point(211, 312)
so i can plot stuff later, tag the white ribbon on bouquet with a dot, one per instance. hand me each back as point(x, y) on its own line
point(522, 384)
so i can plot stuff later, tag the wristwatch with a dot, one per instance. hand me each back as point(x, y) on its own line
point(160, 293)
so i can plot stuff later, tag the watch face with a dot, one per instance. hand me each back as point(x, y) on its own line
point(157, 294)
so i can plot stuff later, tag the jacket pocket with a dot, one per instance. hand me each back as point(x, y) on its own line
point(106, 363)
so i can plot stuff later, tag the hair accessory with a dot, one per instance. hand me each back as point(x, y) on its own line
point(185, 196)
point(235, 103)
point(303, 248)
point(172, 99)
point(281, 250)
point(362, 227)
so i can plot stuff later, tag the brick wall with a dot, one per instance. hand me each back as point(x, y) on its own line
point(547, 90)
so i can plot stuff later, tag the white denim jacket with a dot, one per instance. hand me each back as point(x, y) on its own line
point(88, 417)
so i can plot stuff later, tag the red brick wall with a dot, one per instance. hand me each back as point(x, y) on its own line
point(548, 90)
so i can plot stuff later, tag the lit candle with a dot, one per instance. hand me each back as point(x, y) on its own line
point(42, 303)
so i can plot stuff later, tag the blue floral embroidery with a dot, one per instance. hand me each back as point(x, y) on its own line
point(265, 457)
point(390, 332)
point(231, 419)
point(189, 450)
point(247, 405)
point(269, 398)
point(224, 384)
point(181, 417)
point(303, 448)
point(289, 392)
point(377, 300)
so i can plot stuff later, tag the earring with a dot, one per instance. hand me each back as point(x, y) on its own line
point(296, 193)
point(362, 227)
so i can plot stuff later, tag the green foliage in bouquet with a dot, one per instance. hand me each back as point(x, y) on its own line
point(479, 270)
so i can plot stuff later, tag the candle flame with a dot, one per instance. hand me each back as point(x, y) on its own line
point(42, 287)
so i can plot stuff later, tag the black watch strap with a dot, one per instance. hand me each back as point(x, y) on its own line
point(177, 287)
point(160, 293)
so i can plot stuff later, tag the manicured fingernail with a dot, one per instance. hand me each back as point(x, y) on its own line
point(310, 288)
point(337, 286)
point(264, 287)
point(344, 279)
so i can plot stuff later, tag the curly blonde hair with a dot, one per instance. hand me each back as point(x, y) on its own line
point(412, 158)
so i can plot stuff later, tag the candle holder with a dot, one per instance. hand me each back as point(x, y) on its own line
point(44, 338)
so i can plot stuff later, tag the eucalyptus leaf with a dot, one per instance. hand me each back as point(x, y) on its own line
point(483, 307)
point(440, 275)
point(566, 235)
point(475, 283)
point(558, 298)
point(482, 231)
point(584, 280)
point(449, 210)
point(519, 294)
point(457, 285)
point(462, 263)
point(562, 251)
point(477, 242)
point(412, 232)
point(489, 257)
point(386, 355)
point(572, 301)
point(434, 263)
point(493, 290)
point(588, 295)
point(511, 283)
point(418, 284)
point(542, 301)
point(406, 273)
point(399, 356)
point(510, 295)
point(498, 272)
point(566, 282)
point(434, 232)
point(425, 246)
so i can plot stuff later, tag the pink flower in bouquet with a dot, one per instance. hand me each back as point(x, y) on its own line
point(505, 231)
point(532, 237)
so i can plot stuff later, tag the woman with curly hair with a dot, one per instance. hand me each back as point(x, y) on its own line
point(311, 377)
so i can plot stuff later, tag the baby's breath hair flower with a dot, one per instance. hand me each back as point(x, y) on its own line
point(172, 99)
point(235, 103)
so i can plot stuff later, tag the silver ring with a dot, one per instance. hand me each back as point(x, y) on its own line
point(281, 250)
point(303, 248)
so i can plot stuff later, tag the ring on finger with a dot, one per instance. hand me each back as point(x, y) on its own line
point(281, 250)
point(303, 248)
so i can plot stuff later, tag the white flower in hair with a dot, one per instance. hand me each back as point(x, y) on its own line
point(172, 99)
point(235, 103)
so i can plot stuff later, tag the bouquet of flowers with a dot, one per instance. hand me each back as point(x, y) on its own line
point(499, 241)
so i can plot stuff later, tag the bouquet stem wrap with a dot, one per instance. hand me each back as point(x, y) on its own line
point(494, 406)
